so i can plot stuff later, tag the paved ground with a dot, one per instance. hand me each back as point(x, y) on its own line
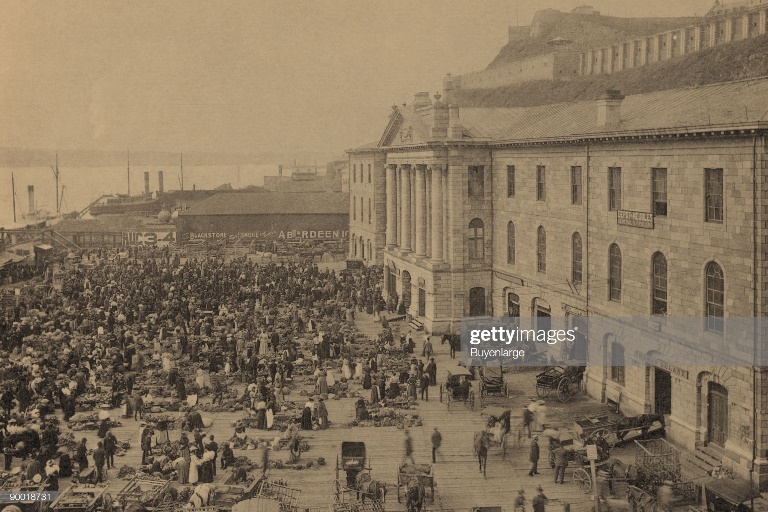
point(458, 483)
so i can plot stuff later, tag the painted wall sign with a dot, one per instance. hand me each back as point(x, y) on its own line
point(150, 238)
point(635, 219)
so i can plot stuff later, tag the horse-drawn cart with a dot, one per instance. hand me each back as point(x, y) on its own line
point(458, 387)
point(562, 379)
point(415, 479)
point(498, 427)
point(357, 481)
point(601, 429)
point(492, 383)
point(80, 498)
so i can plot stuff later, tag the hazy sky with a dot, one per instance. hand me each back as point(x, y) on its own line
point(241, 76)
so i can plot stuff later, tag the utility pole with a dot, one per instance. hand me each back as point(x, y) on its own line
point(56, 175)
point(128, 151)
point(13, 186)
point(181, 162)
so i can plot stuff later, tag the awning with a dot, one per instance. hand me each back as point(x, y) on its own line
point(733, 490)
point(6, 258)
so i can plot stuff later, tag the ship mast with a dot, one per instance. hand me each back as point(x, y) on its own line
point(56, 175)
point(128, 151)
point(181, 162)
point(13, 186)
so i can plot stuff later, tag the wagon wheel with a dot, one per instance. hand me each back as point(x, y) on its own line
point(504, 446)
point(441, 393)
point(542, 390)
point(564, 392)
point(608, 434)
point(582, 480)
point(552, 460)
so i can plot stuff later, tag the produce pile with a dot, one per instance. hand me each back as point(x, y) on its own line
point(388, 417)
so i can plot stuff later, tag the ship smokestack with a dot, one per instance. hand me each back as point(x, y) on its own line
point(31, 195)
point(146, 184)
point(160, 181)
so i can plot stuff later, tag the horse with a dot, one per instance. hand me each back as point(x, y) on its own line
point(643, 422)
point(414, 496)
point(201, 496)
point(481, 444)
point(368, 488)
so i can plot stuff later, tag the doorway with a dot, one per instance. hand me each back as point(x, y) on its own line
point(406, 299)
point(477, 301)
point(662, 391)
point(717, 415)
point(422, 302)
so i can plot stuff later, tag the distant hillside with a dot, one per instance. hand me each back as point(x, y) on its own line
point(744, 59)
point(585, 30)
point(24, 157)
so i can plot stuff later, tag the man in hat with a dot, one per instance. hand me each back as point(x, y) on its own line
point(534, 456)
point(81, 456)
point(110, 448)
point(227, 456)
point(561, 462)
point(213, 447)
point(540, 500)
point(408, 448)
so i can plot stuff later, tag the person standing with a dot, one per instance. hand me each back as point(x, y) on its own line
point(539, 501)
point(138, 407)
point(110, 447)
point(99, 458)
point(520, 501)
point(534, 456)
point(437, 440)
point(146, 444)
point(527, 420)
point(213, 446)
point(408, 448)
point(561, 462)
point(81, 456)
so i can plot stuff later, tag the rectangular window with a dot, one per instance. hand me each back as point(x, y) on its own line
point(369, 210)
point(659, 192)
point(510, 181)
point(576, 184)
point(369, 176)
point(614, 188)
point(361, 173)
point(714, 193)
point(541, 185)
point(476, 181)
point(354, 208)
point(362, 214)
point(617, 363)
point(354, 173)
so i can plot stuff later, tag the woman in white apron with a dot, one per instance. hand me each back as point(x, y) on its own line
point(346, 370)
point(194, 465)
point(358, 371)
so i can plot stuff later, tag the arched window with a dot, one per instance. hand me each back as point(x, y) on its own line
point(659, 283)
point(353, 243)
point(476, 240)
point(511, 243)
point(715, 297)
point(362, 248)
point(576, 257)
point(614, 273)
point(617, 362)
point(541, 249)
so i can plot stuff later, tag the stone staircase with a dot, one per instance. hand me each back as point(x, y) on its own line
point(700, 462)
point(416, 325)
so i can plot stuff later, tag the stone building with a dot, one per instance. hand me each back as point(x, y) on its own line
point(649, 207)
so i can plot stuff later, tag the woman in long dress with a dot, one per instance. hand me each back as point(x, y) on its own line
point(375, 398)
point(194, 465)
point(358, 371)
point(367, 378)
point(182, 470)
point(322, 383)
point(306, 417)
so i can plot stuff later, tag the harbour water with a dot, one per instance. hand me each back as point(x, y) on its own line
point(82, 185)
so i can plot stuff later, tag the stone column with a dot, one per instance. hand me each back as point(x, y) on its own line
point(655, 49)
point(745, 32)
point(399, 200)
point(712, 33)
point(428, 210)
point(696, 38)
point(406, 222)
point(391, 205)
point(670, 40)
point(437, 214)
point(447, 235)
point(644, 52)
point(728, 30)
point(683, 49)
point(761, 22)
point(421, 211)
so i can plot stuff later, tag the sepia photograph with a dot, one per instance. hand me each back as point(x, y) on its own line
point(361, 256)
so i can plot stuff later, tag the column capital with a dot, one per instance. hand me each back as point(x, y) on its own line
point(392, 167)
point(438, 168)
point(421, 167)
point(405, 167)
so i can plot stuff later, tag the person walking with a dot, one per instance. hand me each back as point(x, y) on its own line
point(561, 462)
point(424, 387)
point(534, 456)
point(527, 420)
point(99, 458)
point(408, 448)
point(539, 501)
point(437, 440)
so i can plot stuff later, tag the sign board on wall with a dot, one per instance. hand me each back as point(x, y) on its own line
point(150, 238)
point(635, 219)
point(314, 234)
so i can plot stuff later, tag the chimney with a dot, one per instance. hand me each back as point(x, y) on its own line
point(609, 109)
point(31, 195)
point(439, 119)
point(160, 181)
point(455, 131)
point(421, 100)
point(146, 184)
point(450, 85)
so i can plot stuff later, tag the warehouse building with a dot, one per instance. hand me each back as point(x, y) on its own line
point(309, 218)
